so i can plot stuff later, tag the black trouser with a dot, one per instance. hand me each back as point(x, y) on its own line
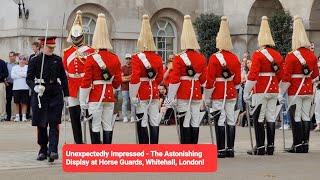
point(52, 138)
point(9, 100)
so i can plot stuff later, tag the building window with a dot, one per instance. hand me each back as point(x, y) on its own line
point(164, 34)
point(89, 24)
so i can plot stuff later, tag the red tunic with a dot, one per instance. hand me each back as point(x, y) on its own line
point(75, 67)
point(198, 61)
point(260, 64)
point(139, 71)
point(93, 73)
point(293, 66)
point(215, 71)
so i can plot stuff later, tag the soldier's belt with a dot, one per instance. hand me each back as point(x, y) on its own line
point(98, 82)
point(298, 76)
point(221, 79)
point(267, 74)
point(195, 77)
point(76, 75)
point(145, 79)
point(37, 81)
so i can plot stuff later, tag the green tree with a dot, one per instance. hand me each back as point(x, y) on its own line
point(207, 28)
point(281, 28)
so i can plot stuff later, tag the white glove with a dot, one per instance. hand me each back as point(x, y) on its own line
point(246, 97)
point(208, 103)
point(173, 102)
point(39, 89)
point(281, 99)
point(134, 101)
point(65, 100)
point(84, 105)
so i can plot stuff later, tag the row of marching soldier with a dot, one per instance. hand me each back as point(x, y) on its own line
point(94, 72)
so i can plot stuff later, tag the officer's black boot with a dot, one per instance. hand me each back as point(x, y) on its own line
point(96, 138)
point(220, 135)
point(154, 134)
point(297, 146)
point(42, 137)
point(194, 135)
point(143, 135)
point(107, 137)
point(181, 116)
point(270, 137)
point(186, 135)
point(75, 113)
point(231, 133)
point(306, 135)
point(53, 142)
point(259, 132)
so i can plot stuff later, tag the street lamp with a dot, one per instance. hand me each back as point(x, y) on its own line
point(25, 11)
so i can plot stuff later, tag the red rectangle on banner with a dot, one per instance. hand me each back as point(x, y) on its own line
point(139, 158)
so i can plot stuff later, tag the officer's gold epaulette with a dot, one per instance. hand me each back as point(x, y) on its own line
point(66, 49)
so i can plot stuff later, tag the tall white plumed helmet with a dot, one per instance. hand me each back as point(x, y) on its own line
point(265, 36)
point(76, 33)
point(188, 36)
point(223, 37)
point(146, 41)
point(101, 39)
point(299, 35)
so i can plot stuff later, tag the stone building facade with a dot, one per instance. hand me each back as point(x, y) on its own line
point(124, 21)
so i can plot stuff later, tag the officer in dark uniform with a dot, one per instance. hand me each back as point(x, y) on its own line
point(48, 100)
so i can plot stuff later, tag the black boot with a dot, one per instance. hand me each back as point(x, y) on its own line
point(75, 113)
point(306, 135)
point(186, 135)
point(259, 132)
point(194, 135)
point(143, 135)
point(270, 137)
point(297, 146)
point(90, 130)
point(220, 135)
point(180, 121)
point(231, 133)
point(107, 137)
point(154, 134)
point(96, 138)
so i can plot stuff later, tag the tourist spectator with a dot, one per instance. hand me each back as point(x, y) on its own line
point(9, 82)
point(168, 70)
point(36, 49)
point(126, 77)
point(20, 88)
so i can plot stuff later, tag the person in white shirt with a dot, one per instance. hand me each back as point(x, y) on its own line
point(20, 87)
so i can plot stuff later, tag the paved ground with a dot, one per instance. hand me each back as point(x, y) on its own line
point(18, 151)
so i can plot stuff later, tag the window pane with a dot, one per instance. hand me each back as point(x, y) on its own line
point(161, 23)
point(162, 33)
point(169, 30)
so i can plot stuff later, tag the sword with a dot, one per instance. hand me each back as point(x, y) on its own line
point(177, 125)
point(42, 63)
point(249, 125)
point(282, 122)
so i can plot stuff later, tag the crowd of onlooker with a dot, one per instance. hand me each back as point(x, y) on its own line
point(13, 86)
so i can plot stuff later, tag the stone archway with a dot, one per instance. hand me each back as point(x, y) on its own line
point(175, 17)
point(258, 9)
point(91, 10)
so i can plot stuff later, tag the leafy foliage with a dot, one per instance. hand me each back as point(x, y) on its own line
point(207, 27)
point(281, 28)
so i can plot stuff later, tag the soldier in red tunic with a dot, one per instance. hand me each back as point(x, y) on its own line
point(73, 60)
point(300, 69)
point(102, 75)
point(223, 80)
point(188, 75)
point(263, 79)
point(147, 74)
